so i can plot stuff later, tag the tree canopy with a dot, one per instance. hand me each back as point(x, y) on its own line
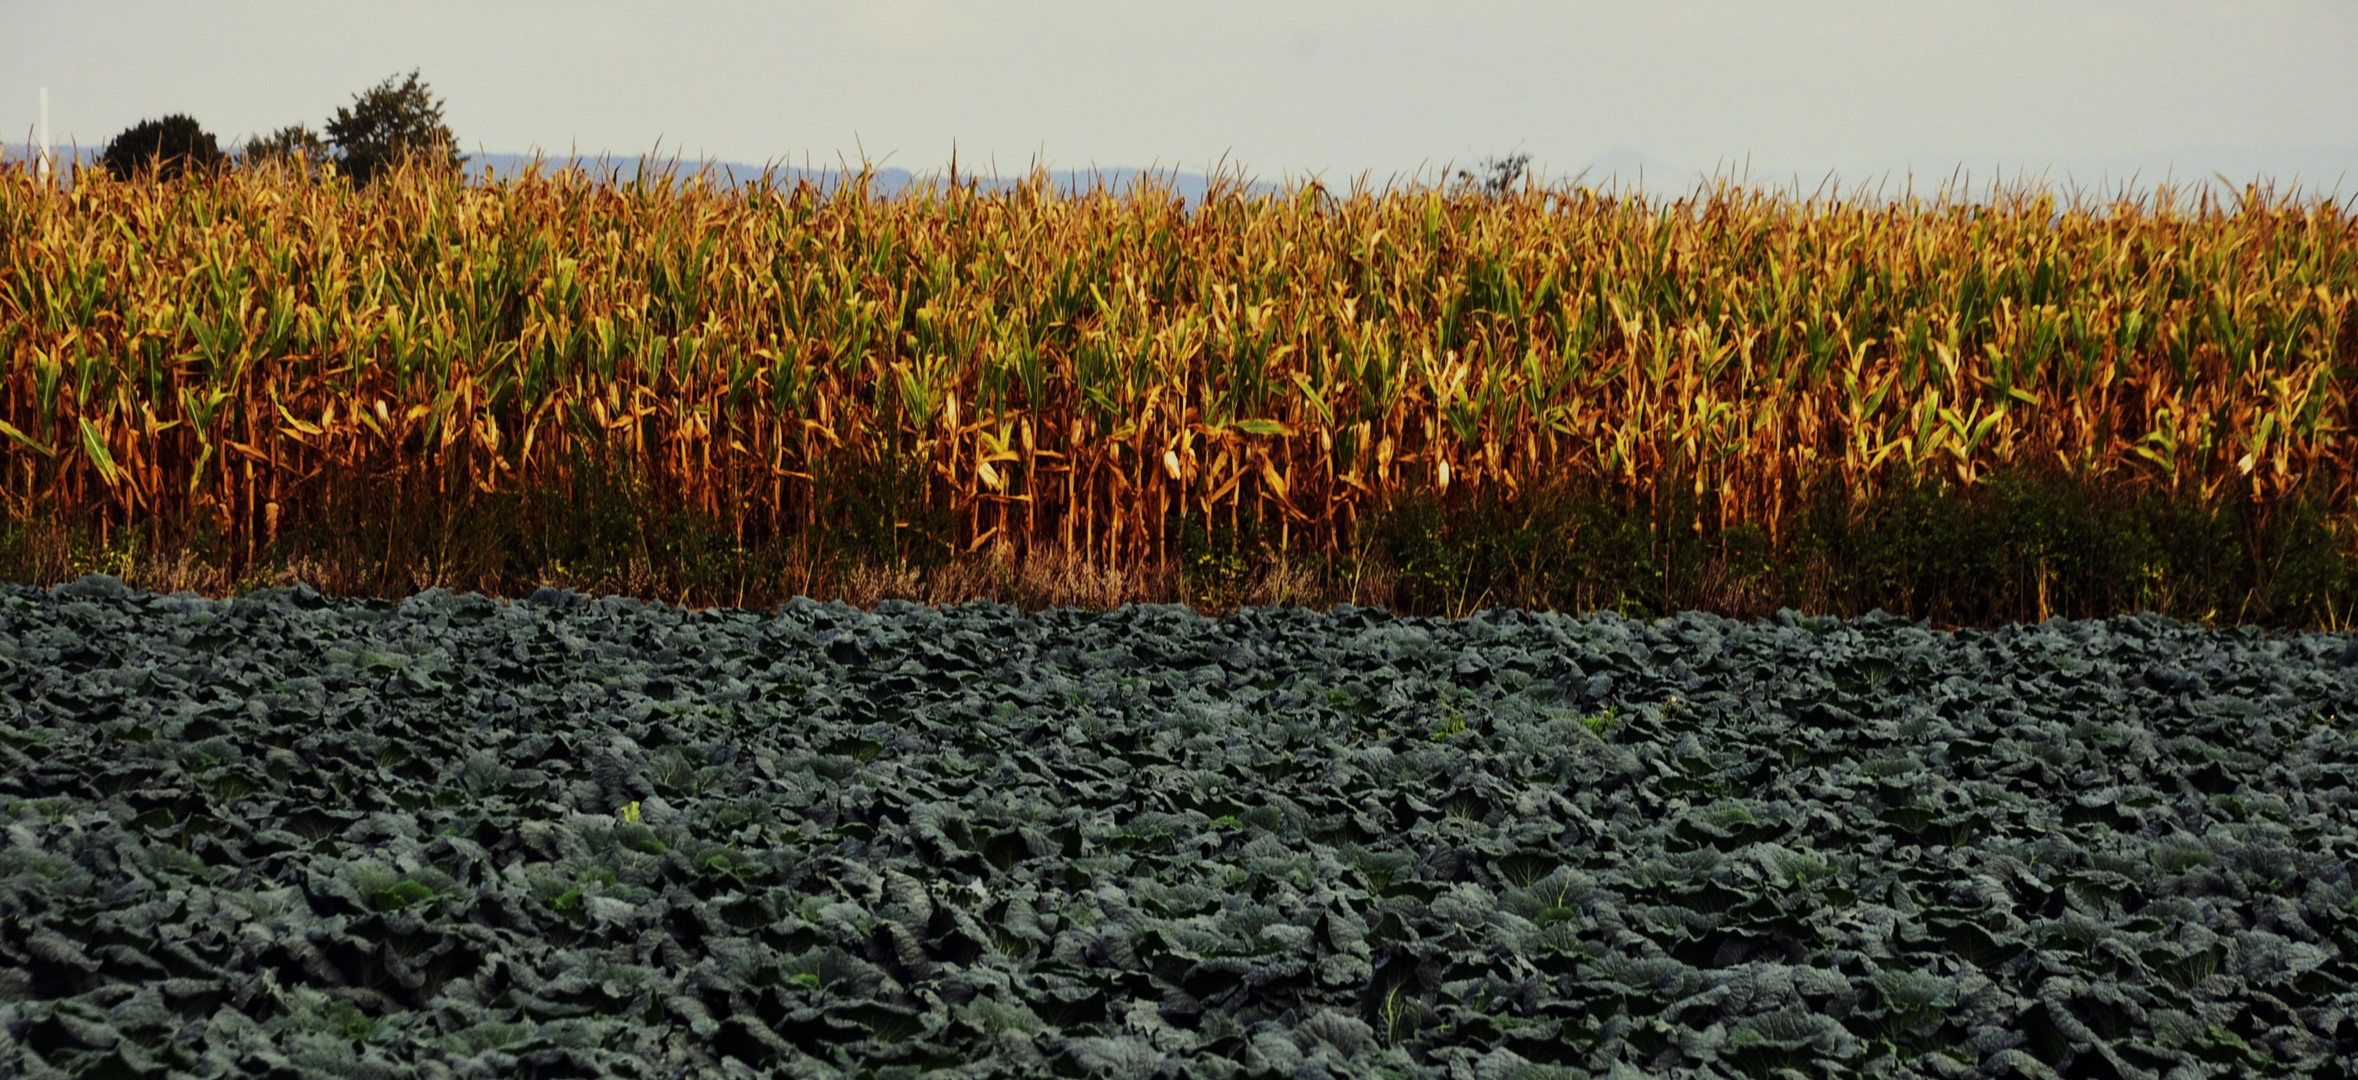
point(396, 119)
point(293, 144)
point(171, 147)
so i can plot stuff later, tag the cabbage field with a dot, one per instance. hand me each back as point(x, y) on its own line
point(452, 836)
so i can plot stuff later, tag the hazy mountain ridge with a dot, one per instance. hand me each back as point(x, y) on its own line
point(2313, 171)
point(884, 181)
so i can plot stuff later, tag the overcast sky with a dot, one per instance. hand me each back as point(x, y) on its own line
point(1863, 89)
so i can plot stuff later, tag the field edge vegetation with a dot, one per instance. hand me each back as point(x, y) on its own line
point(2020, 547)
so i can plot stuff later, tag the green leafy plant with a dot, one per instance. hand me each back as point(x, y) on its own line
point(1602, 723)
point(345, 1020)
point(401, 894)
point(1477, 898)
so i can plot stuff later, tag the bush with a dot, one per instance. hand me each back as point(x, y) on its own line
point(168, 148)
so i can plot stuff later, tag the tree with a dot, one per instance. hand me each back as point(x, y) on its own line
point(394, 120)
point(1498, 176)
point(296, 144)
point(167, 149)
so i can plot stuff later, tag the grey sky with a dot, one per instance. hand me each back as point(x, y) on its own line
point(1277, 87)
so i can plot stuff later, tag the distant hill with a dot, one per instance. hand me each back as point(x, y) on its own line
point(11, 153)
point(886, 181)
point(1190, 186)
point(2318, 171)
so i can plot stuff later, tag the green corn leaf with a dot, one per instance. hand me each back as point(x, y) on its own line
point(196, 475)
point(10, 430)
point(1263, 427)
point(95, 447)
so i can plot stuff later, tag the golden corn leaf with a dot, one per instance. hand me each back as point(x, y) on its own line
point(1270, 477)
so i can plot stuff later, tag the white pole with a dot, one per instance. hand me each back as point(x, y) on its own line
point(45, 144)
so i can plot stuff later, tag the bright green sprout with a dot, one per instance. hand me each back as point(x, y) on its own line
point(1602, 722)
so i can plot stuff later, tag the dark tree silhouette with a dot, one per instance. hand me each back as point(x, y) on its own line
point(394, 120)
point(1497, 176)
point(168, 148)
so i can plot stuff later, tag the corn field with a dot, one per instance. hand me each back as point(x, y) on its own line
point(1087, 373)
